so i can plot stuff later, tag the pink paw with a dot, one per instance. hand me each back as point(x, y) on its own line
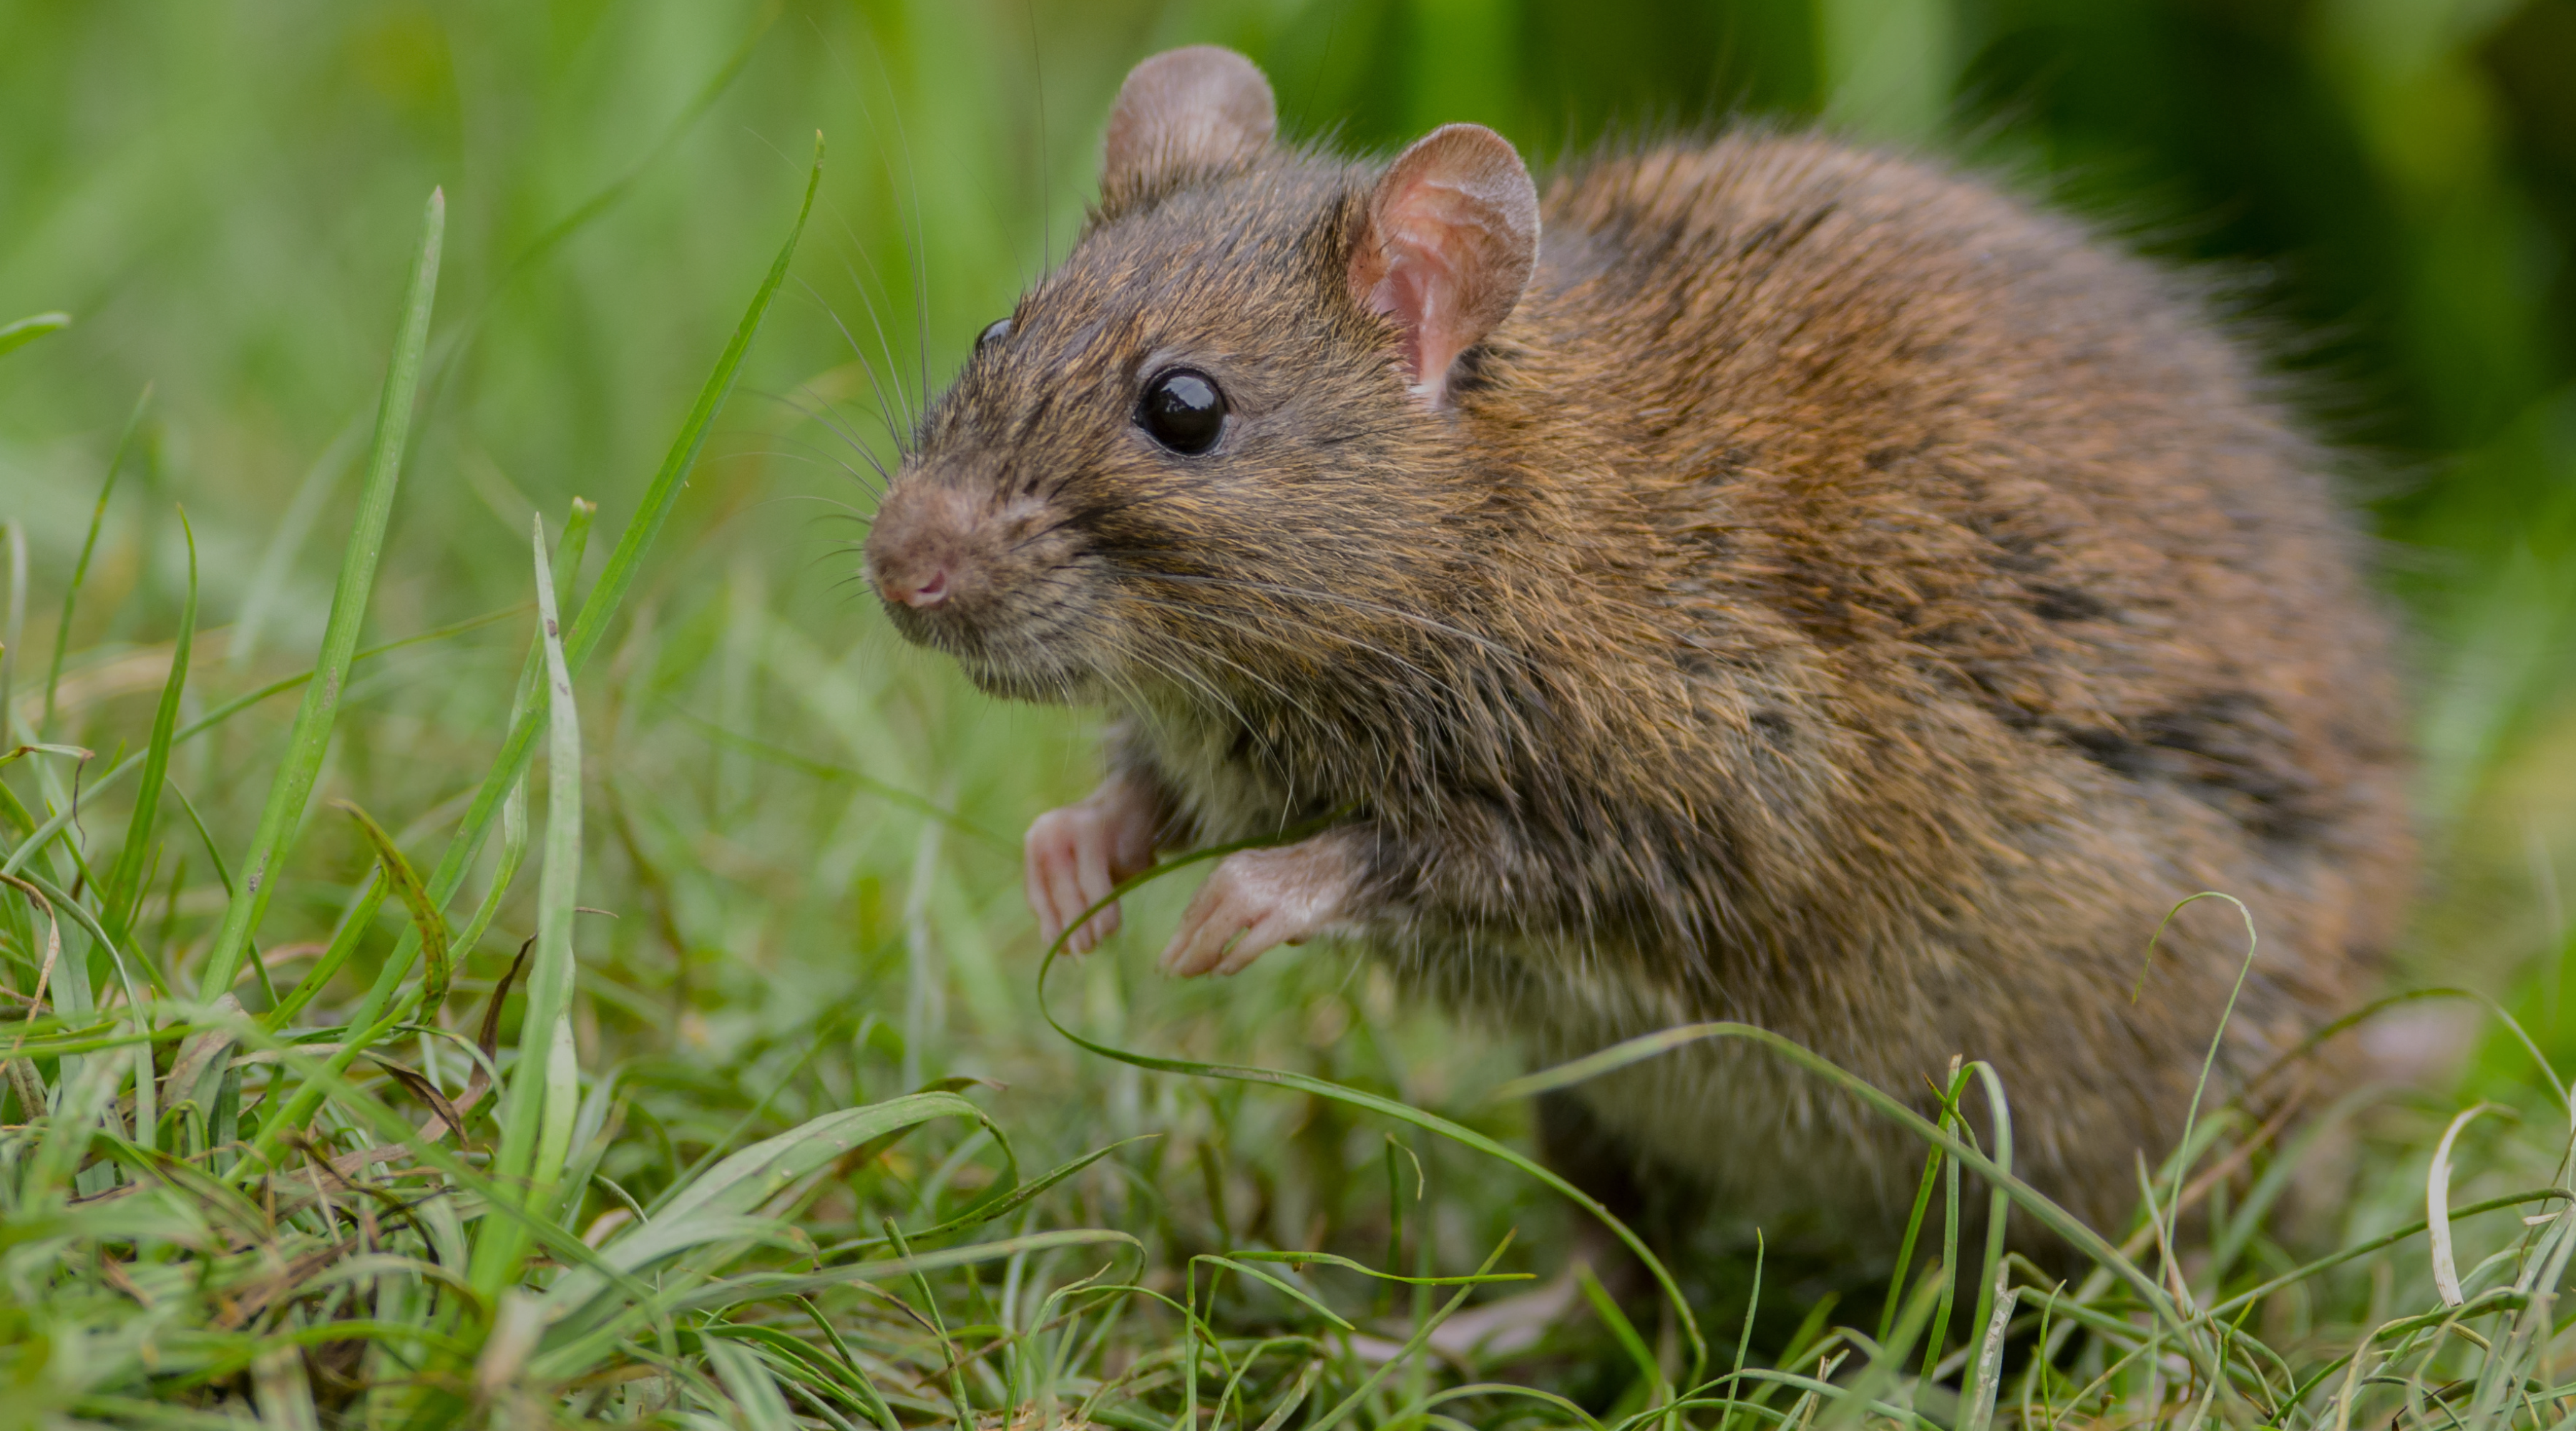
point(1075, 855)
point(1258, 900)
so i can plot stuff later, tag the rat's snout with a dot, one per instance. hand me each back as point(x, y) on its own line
point(922, 550)
point(974, 572)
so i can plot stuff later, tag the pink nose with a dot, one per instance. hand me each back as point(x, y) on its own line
point(924, 548)
point(915, 589)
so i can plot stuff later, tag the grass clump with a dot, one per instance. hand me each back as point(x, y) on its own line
point(602, 993)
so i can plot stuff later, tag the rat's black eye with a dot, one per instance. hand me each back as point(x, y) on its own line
point(1183, 410)
point(994, 332)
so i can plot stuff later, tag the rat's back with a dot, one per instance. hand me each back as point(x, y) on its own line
point(2050, 617)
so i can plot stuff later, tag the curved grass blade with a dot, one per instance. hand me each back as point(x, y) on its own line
point(1300, 1259)
point(750, 1385)
point(311, 733)
point(425, 917)
point(764, 1286)
point(1496, 1388)
point(1281, 1285)
point(19, 334)
point(2437, 1208)
point(750, 1177)
point(1990, 1269)
point(729, 1191)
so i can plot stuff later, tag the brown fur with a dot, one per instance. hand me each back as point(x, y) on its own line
point(1838, 598)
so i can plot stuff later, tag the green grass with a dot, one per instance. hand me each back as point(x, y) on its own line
point(602, 990)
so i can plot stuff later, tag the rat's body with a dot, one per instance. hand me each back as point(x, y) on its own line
point(1825, 594)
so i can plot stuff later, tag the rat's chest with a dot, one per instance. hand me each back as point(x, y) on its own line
point(1214, 770)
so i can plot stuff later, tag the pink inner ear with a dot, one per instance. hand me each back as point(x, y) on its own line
point(1454, 231)
point(1410, 294)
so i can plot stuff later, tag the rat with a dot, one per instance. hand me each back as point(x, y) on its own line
point(1763, 579)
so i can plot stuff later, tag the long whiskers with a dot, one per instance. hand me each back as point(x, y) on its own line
point(1258, 679)
point(888, 404)
point(1268, 588)
point(820, 413)
point(821, 456)
point(913, 243)
point(1196, 680)
point(1218, 618)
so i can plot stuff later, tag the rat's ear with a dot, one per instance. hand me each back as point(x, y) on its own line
point(1188, 111)
point(1446, 246)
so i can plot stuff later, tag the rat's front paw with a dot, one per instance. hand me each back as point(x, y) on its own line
point(1075, 855)
point(1258, 899)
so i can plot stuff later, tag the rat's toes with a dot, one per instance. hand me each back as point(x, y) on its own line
point(1260, 939)
point(1200, 942)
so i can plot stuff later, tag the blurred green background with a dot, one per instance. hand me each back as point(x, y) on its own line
point(224, 197)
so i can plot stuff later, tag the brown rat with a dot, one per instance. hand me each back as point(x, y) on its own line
point(1765, 580)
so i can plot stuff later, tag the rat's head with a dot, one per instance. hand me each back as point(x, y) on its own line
point(1232, 422)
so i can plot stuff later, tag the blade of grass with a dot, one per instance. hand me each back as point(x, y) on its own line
point(623, 563)
point(89, 544)
point(1625, 1333)
point(1296, 1258)
point(425, 918)
point(541, 1083)
point(754, 1391)
point(1281, 1285)
point(13, 628)
point(1855, 1400)
point(311, 733)
point(1986, 1368)
point(1744, 1337)
point(1905, 1249)
point(26, 330)
point(1950, 1119)
point(1998, 1215)
point(2437, 1208)
point(268, 577)
point(124, 886)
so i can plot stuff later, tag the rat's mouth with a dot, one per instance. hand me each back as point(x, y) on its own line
point(1008, 684)
point(1020, 666)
